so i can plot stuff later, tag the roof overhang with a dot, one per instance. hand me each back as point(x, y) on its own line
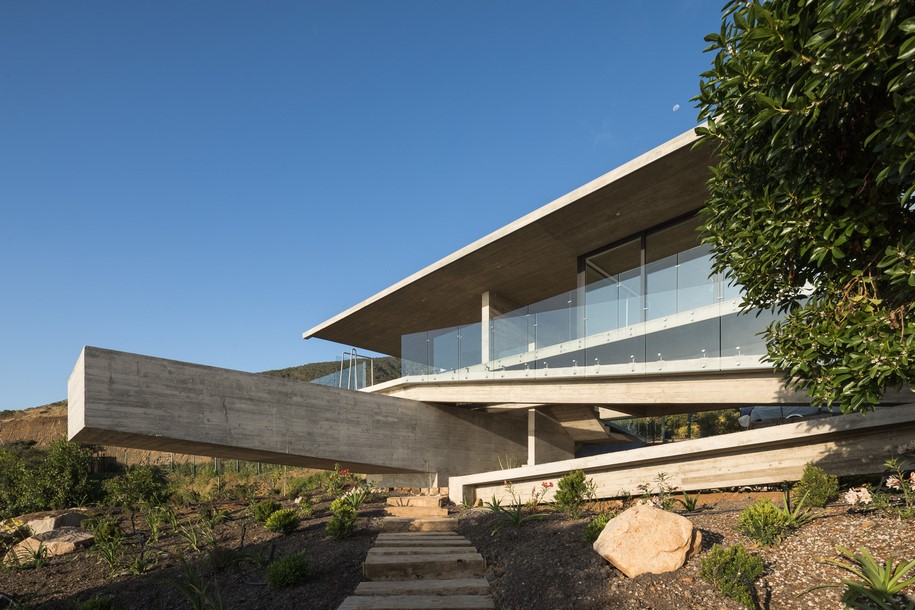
point(536, 256)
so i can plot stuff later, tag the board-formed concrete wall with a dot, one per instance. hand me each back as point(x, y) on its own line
point(142, 402)
point(843, 445)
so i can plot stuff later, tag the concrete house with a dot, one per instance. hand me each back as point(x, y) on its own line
point(599, 304)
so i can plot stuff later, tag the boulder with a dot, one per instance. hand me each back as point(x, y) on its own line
point(59, 541)
point(53, 521)
point(645, 539)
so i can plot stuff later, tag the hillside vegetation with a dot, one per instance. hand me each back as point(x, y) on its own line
point(386, 369)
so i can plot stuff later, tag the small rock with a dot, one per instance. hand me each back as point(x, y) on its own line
point(59, 541)
point(51, 521)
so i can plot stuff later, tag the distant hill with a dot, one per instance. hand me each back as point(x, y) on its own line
point(49, 422)
point(386, 369)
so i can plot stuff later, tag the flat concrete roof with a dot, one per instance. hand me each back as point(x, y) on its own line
point(536, 256)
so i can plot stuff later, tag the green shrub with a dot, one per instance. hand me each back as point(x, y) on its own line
point(144, 484)
point(304, 486)
point(767, 524)
point(342, 521)
point(763, 522)
point(595, 527)
point(283, 521)
point(288, 571)
point(98, 602)
point(63, 476)
point(572, 491)
point(733, 571)
point(262, 510)
point(817, 486)
point(104, 529)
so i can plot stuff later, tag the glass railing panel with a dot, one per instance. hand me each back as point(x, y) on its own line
point(353, 378)
point(741, 333)
point(686, 342)
point(567, 360)
point(555, 321)
point(695, 288)
point(661, 284)
point(602, 306)
point(444, 349)
point(630, 350)
point(510, 334)
point(730, 290)
point(630, 298)
point(471, 345)
point(414, 353)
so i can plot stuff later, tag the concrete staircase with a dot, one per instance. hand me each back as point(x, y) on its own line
point(420, 562)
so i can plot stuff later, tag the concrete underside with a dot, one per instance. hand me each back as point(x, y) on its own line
point(137, 401)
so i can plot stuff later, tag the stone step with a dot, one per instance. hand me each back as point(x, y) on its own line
point(416, 511)
point(451, 586)
point(420, 550)
point(424, 501)
point(438, 542)
point(436, 566)
point(433, 524)
point(416, 602)
point(420, 536)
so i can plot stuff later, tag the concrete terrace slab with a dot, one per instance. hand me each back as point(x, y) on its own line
point(138, 401)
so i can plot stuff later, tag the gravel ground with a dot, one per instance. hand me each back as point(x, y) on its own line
point(545, 564)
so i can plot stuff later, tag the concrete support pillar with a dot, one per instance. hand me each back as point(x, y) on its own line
point(547, 440)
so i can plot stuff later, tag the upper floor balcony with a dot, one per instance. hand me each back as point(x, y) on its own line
point(669, 315)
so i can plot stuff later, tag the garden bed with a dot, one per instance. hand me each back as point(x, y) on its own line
point(543, 564)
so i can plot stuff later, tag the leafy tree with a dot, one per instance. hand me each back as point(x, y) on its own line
point(811, 107)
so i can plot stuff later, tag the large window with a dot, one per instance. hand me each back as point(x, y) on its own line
point(658, 274)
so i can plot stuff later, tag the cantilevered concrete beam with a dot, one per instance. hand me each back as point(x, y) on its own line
point(640, 395)
point(137, 401)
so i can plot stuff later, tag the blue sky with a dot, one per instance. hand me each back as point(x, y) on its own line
point(205, 180)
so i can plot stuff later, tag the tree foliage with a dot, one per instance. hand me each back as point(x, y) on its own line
point(811, 107)
point(33, 480)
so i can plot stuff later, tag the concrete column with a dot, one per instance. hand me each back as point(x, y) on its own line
point(547, 440)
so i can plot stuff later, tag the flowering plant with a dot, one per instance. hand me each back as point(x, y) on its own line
point(898, 480)
point(858, 495)
point(538, 494)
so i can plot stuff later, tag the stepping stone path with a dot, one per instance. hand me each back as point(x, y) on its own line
point(420, 562)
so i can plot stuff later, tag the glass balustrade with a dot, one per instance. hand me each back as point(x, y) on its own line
point(667, 315)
